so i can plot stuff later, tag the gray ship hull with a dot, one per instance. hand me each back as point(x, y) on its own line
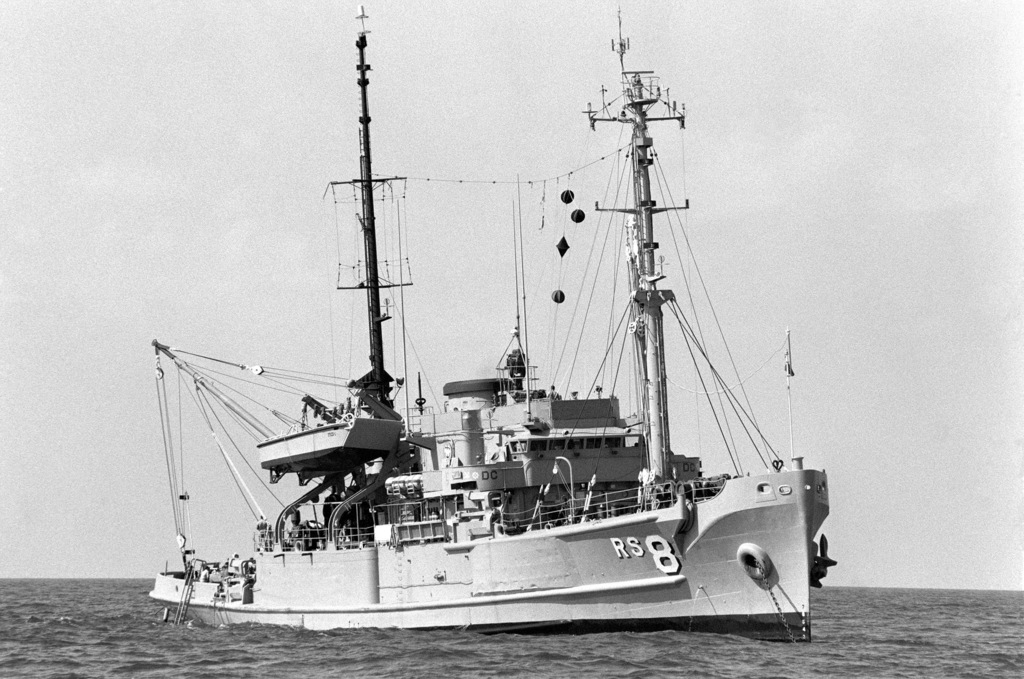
point(670, 568)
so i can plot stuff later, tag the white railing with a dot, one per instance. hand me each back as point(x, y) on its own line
point(311, 535)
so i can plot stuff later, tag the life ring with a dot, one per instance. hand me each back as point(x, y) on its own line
point(688, 517)
point(756, 563)
point(348, 419)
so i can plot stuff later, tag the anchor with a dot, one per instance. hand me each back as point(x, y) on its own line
point(821, 562)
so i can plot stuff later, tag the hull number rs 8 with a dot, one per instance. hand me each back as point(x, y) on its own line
point(659, 548)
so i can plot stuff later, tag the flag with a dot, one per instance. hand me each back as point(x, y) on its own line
point(789, 358)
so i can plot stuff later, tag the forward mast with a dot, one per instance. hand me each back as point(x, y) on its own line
point(640, 93)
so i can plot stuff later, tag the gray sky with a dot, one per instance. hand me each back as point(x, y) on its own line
point(854, 172)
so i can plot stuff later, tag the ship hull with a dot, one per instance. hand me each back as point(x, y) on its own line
point(676, 567)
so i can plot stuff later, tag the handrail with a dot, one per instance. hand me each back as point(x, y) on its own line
point(315, 536)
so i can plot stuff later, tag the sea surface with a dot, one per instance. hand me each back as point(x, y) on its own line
point(99, 628)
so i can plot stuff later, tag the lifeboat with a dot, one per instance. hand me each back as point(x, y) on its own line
point(334, 447)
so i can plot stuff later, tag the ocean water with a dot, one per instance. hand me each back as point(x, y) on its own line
point(99, 628)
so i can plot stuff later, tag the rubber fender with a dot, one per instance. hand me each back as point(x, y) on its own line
point(756, 562)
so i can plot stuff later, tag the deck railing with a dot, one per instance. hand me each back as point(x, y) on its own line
point(311, 535)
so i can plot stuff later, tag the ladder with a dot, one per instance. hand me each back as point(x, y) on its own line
point(186, 596)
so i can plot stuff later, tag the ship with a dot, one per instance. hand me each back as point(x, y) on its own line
point(510, 508)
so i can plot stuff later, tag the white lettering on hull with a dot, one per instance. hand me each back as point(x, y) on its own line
point(661, 551)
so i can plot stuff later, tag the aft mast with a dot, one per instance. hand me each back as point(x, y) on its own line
point(640, 93)
point(377, 382)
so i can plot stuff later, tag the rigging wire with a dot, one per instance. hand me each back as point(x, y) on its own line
point(330, 299)
point(604, 359)
point(522, 274)
point(700, 332)
point(583, 281)
point(272, 369)
point(209, 358)
point(714, 411)
point(181, 439)
point(744, 380)
point(737, 407)
point(186, 510)
point(749, 409)
point(590, 299)
point(530, 182)
point(552, 329)
point(615, 274)
point(285, 388)
point(401, 295)
point(430, 386)
point(200, 399)
point(168, 446)
point(241, 423)
point(238, 450)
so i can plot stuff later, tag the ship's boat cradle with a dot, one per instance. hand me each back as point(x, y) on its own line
point(639, 571)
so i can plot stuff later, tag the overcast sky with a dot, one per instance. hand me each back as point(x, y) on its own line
point(854, 172)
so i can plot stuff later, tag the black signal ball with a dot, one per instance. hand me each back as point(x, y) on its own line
point(558, 296)
point(578, 216)
point(567, 196)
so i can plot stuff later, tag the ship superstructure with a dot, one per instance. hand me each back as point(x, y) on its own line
point(511, 507)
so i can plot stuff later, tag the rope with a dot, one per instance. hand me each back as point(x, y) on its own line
point(186, 509)
point(330, 297)
point(689, 294)
point(718, 422)
point(737, 408)
point(325, 379)
point(615, 288)
point(430, 387)
point(529, 182)
point(242, 487)
point(283, 389)
point(168, 451)
point(590, 300)
point(746, 379)
point(597, 375)
point(749, 409)
point(583, 280)
point(181, 446)
point(242, 455)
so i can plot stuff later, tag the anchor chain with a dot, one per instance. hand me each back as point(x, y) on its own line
point(693, 606)
point(778, 608)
